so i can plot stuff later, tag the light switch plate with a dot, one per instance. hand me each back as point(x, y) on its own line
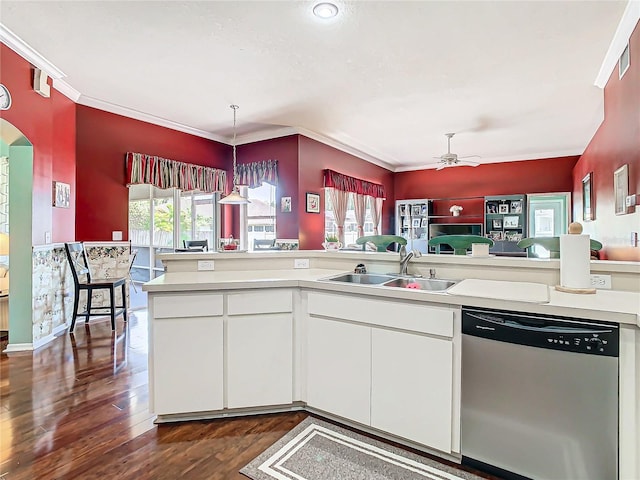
point(116, 235)
point(205, 265)
point(301, 263)
point(602, 282)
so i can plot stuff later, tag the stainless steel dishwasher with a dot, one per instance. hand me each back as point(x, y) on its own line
point(539, 396)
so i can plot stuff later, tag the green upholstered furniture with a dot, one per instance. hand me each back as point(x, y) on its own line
point(381, 241)
point(459, 243)
point(552, 244)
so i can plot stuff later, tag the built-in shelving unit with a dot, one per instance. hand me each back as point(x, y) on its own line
point(506, 222)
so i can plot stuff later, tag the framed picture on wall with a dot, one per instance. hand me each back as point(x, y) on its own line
point(503, 208)
point(588, 207)
point(61, 194)
point(621, 189)
point(313, 203)
point(285, 204)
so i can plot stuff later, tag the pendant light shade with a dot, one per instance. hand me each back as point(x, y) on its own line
point(234, 198)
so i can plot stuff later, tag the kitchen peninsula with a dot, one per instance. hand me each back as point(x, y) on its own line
point(257, 335)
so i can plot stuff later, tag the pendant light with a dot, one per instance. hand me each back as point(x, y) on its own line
point(234, 198)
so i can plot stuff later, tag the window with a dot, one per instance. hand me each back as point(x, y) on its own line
point(155, 228)
point(350, 224)
point(261, 214)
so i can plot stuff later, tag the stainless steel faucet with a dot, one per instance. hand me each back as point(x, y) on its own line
point(405, 257)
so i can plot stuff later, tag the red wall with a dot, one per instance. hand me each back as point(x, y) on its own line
point(50, 125)
point(285, 151)
point(530, 176)
point(617, 142)
point(102, 141)
point(314, 157)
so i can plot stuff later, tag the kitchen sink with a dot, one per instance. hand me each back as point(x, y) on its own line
point(361, 278)
point(432, 284)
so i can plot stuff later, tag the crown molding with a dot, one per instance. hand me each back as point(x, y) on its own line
point(66, 89)
point(264, 135)
point(27, 52)
point(627, 24)
point(145, 117)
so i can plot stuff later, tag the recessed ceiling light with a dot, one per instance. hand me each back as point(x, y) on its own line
point(325, 10)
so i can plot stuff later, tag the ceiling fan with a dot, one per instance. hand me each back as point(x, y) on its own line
point(452, 159)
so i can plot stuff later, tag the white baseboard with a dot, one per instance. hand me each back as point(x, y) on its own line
point(50, 337)
point(18, 347)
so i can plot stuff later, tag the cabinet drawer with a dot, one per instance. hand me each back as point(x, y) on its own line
point(392, 314)
point(268, 301)
point(178, 306)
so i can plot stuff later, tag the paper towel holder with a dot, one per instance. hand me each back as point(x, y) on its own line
point(575, 228)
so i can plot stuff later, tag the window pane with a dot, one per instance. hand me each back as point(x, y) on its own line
point(261, 214)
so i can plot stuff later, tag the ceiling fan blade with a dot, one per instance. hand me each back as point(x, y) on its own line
point(440, 167)
point(470, 156)
point(468, 163)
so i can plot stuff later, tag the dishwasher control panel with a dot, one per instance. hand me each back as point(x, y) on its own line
point(542, 331)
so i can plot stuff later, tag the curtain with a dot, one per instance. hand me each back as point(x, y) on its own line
point(375, 204)
point(345, 183)
point(163, 173)
point(360, 210)
point(339, 199)
point(254, 173)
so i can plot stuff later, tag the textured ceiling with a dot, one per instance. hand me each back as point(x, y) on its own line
point(514, 80)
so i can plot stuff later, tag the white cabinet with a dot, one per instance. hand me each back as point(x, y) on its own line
point(187, 354)
point(387, 364)
point(411, 386)
point(259, 348)
point(339, 368)
point(259, 360)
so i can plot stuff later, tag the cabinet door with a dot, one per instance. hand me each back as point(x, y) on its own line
point(187, 364)
point(339, 368)
point(411, 387)
point(259, 360)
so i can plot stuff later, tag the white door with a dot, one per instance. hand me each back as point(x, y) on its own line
point(259, 360)
point(411, 387)
point(548, 215)
point(339, 368)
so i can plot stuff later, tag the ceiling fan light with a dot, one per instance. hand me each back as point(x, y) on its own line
point(234, 198)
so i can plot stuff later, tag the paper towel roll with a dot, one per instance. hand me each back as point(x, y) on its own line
point(575, 261)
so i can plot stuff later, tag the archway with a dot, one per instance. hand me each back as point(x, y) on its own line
point(19, 150)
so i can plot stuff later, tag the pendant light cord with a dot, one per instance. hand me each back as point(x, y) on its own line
point(235, 108)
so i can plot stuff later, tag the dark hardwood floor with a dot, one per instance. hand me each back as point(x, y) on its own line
point(77, 408)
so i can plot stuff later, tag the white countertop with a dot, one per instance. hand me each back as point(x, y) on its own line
point(606, 305)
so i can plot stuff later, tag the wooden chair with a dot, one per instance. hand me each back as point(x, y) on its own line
point(195, 245)
point(459, 243)
point(381, 242)
point(82, 281)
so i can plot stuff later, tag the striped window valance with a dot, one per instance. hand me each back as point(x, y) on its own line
point(163, 173)
point(254, 173)
point(351, 184)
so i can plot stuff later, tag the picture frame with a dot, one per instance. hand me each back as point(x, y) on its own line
point(492, 207)
point(61, 195)
point(312, 202)
point(423, 209)
point(511, 222)
point(516, 206)
point(424, 222)
point(415, 210)
point(621, 189)
point(512, 236)
point(588, 203)
point(415, 223)
point(497, 224)
point(495, 235)
point(285, 204)
point(503, 208)
point(403, 210)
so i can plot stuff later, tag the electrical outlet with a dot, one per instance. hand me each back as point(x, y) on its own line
point(601, 281)
point(47, 238)
point(301, 263)
point(205, 265)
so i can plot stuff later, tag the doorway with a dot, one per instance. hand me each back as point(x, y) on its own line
point(548, 216)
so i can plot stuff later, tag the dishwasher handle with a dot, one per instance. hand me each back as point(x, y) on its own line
point(569, 330)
